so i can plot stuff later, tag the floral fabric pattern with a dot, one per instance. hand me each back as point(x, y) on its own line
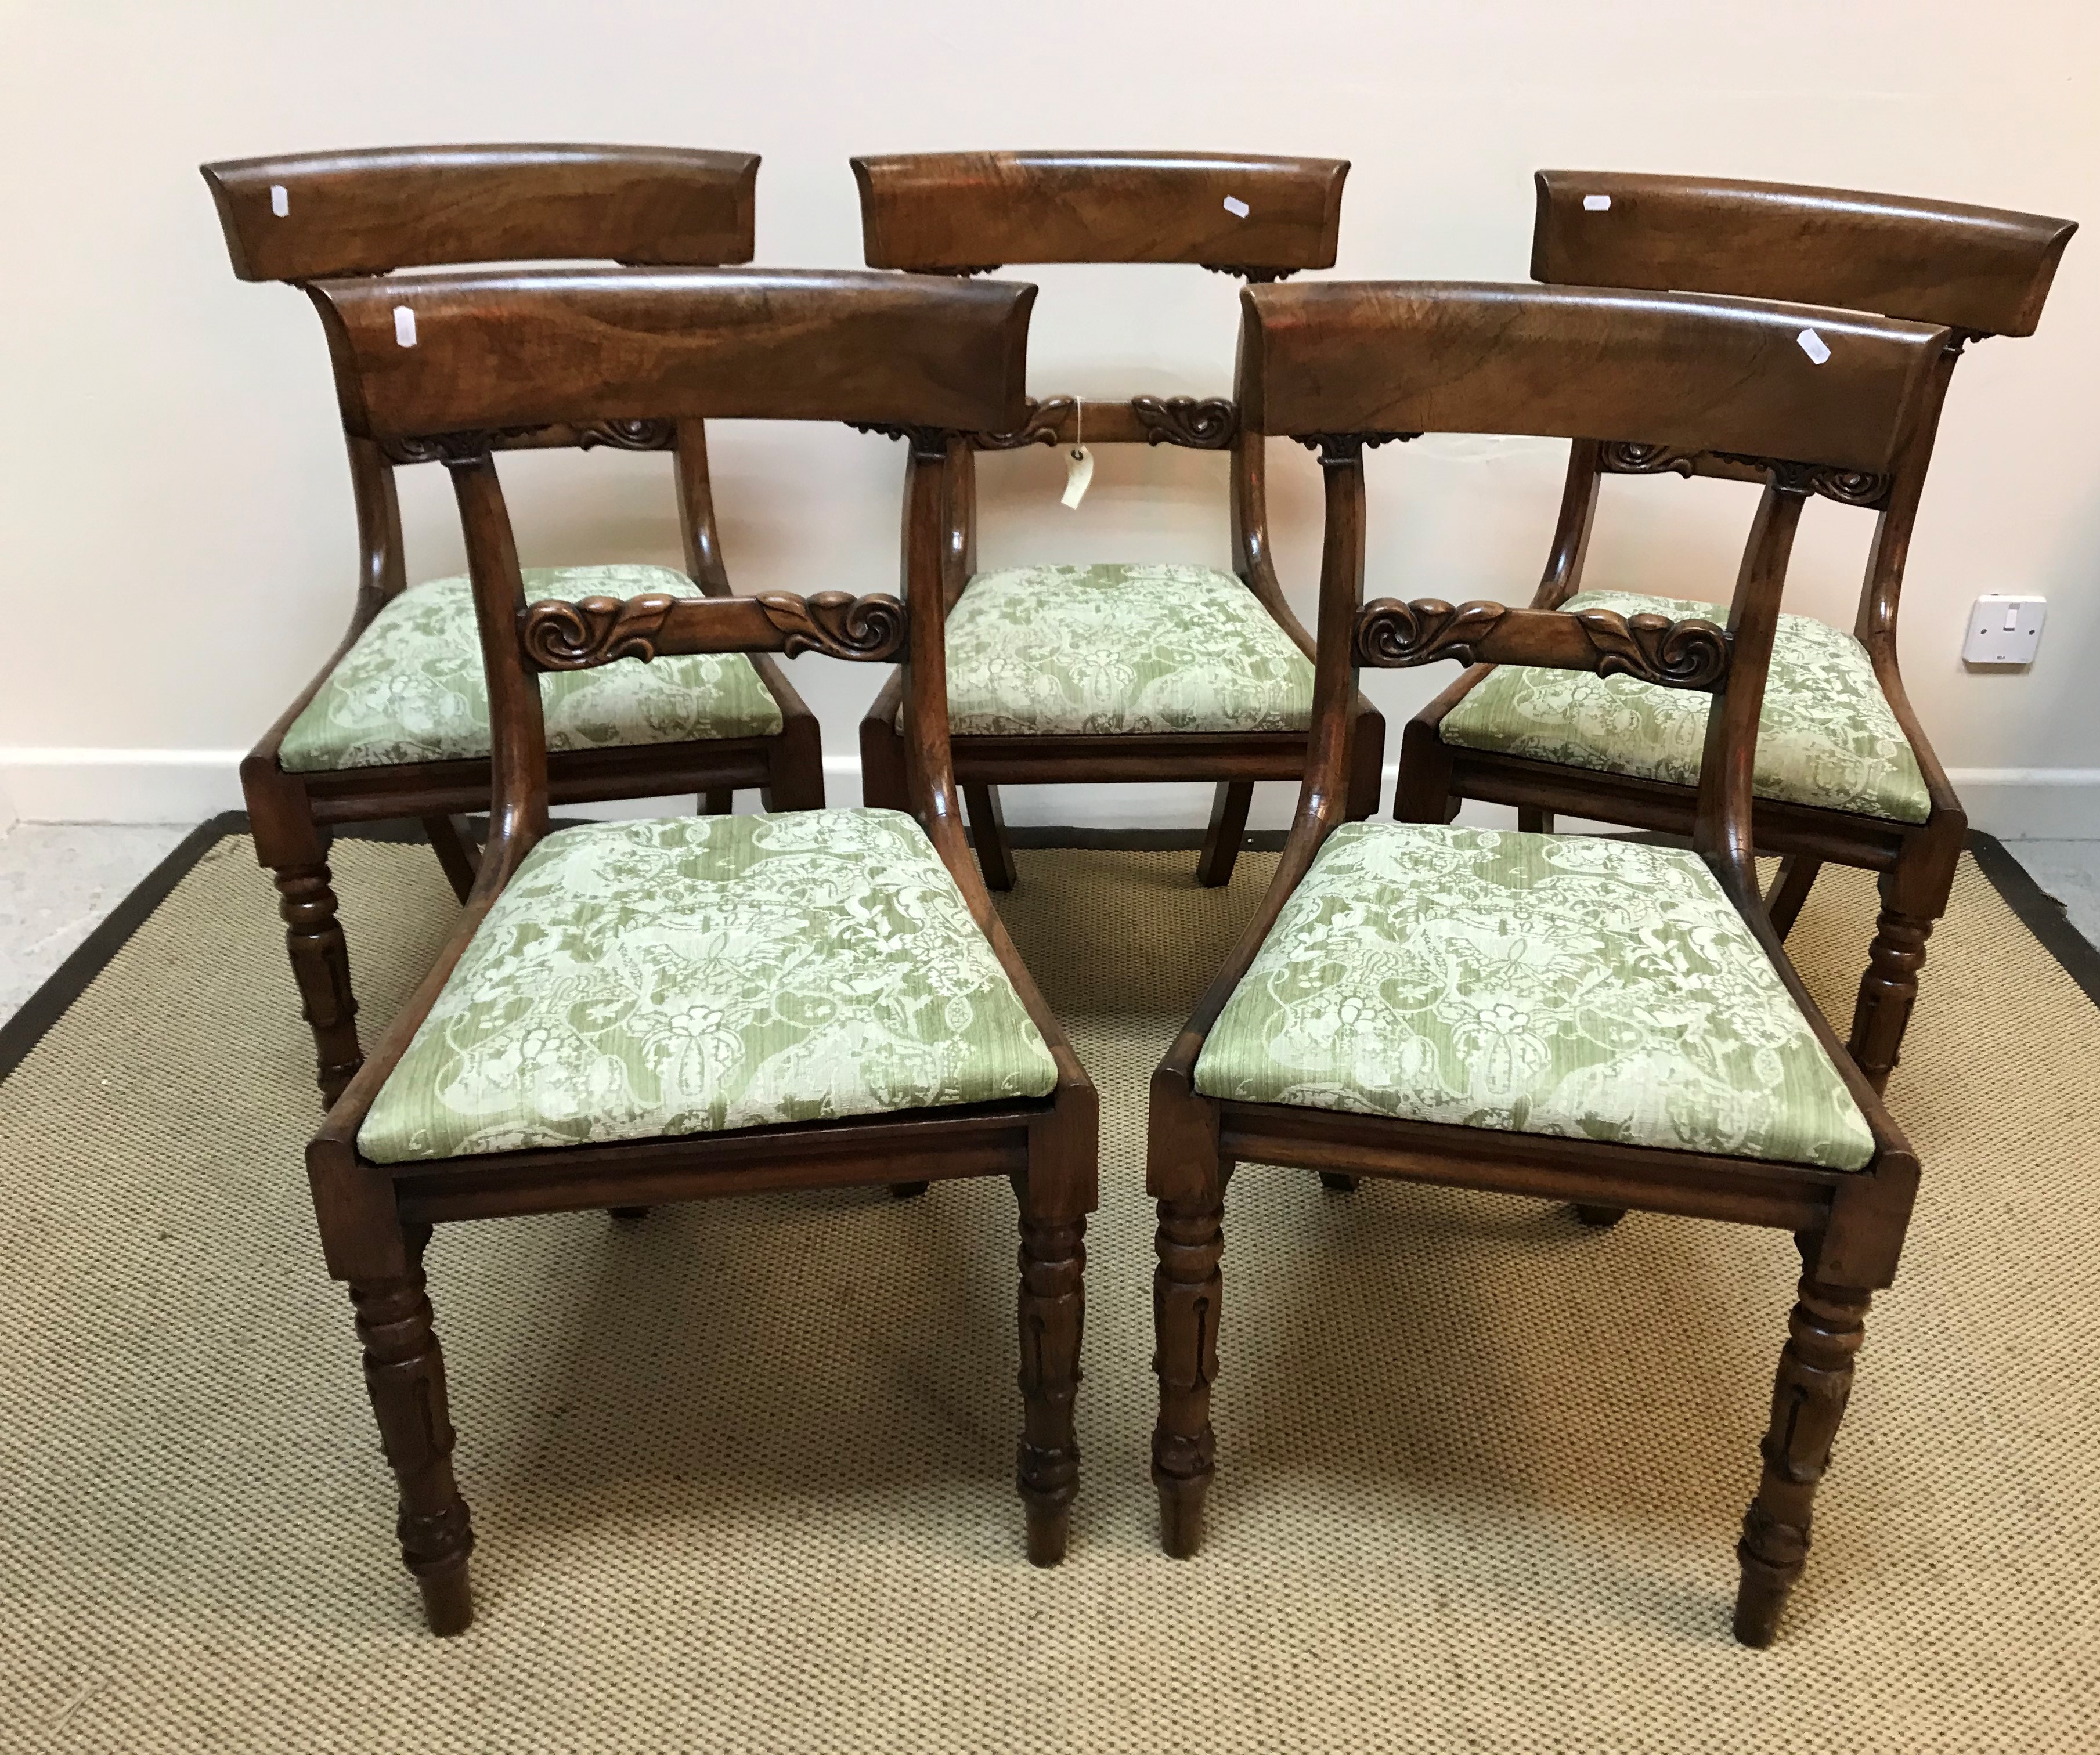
point(1542, 984)
point(1113, 649)
point(696, 974)
point(1827, 737)
point(412, 688)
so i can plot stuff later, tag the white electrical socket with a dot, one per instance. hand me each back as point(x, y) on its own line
point(2004, 628)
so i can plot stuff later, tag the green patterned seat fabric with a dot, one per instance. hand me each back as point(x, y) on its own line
point(1827, 737)
point(691, 974)
point(412, 688)
point(1112, 648)
point(1542, 984)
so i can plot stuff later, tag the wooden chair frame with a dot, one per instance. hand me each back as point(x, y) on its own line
point(1979, 271)
point(371, 213)
point(1342, 367)
point(965, 213)
point(934, 361)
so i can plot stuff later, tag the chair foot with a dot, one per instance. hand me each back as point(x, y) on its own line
point(1335, 1182)
point(1598, 1218)
point(1229, 806)
point(988, 833)
point(906, 1191)
point(448, 1599)
point(1181, 1515)
point(629, 1215)
point(1049, 1533)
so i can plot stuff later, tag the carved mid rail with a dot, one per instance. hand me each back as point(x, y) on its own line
point(1204, 423)
point(1692, 654)
point(560, 634)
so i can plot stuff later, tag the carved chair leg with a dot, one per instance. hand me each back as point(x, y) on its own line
point(1533, 819)
point(1053, 1308)
point(1789, 890)
point(988, 831)
point(1338, 1182)
point(455, 850)
point(320, 965)
point(1185, 1290)
point(1887, 992)
point(629, 1215)
point(718, 802)
point(1808, 1400)
point(906, 1191)
point(405, 1374)
point(1221, 840)
point(1598, 1218)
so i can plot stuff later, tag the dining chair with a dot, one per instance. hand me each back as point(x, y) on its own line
point(396, 723)
point(1594, 1020)
point(633, 1012)
point(1844, 773)
point(1115, 672)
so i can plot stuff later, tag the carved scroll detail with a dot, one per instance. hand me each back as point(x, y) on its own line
point(452, 449)
point(1346, 448)
point(1391, 634)
point(1252, 276)
point(1632, 457)
point(1676, 655)
point(839, 624)
point(1038, 426)
point(559, 635)
point(1206, 425)
point(628, 435)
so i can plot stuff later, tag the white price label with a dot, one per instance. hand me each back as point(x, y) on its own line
point(1814, 346)
point(404, 326)
point(1236, 207)
point(1079, 475)
point(1596, 204)
point(280, 199)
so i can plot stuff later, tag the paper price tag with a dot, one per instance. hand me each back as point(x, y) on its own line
point(404, 326)
point(1236, 207)
point(1814, 346)
point(1596, 204)
point(280, 199)
point(1079, 475)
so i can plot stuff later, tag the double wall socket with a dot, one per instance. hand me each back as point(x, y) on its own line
point(2003, 629)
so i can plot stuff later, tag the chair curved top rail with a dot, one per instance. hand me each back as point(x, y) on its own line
point(451, 357)
point(314, 215)
point(969, 212)
point(1739, 377)
point(1983, 269)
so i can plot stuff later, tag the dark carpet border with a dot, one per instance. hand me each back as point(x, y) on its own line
point(2039, 912)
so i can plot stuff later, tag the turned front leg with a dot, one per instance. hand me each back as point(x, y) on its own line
point(1185, 1289)
point(1808, 1400)
point(1053, 1309)
point(405, 1374)
point(1887, 992)
point(320, 965)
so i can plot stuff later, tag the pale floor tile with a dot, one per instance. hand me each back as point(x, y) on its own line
point(2070, 871)
point(57, 881)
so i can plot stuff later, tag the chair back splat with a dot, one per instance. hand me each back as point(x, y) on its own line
point(1344, 366)
point(925, 360)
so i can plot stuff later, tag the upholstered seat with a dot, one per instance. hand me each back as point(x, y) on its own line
point(1540, 984)
point(697, 974)
point(1827, 737)
point(413, 689)
point(1120, 649)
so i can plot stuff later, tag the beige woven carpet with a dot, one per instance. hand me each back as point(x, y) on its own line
point(741, 1474)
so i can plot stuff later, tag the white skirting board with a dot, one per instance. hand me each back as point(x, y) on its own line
point(187, 785)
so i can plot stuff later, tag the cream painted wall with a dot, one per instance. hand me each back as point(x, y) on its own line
point(176, 511)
